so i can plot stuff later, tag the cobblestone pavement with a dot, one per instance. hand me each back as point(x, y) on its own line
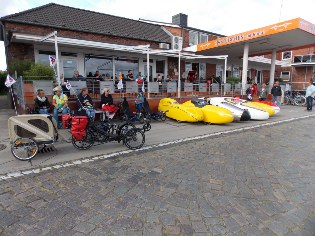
point(258, 182)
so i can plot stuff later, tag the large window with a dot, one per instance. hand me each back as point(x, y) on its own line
point(123, 65)
point(203, 38)
point(285, 75)
point(103, 64)
point(193, 38)
point(69, 66)
point(43, 57)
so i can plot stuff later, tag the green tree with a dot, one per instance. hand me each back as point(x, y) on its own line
point(232, 80)
point(20, 67)
point(3, 88)
point(39, 72)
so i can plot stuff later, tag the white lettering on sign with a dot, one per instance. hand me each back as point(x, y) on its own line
point(280, 27)
point(239, 37)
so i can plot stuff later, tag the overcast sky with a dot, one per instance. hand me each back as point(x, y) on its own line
point(225, 16)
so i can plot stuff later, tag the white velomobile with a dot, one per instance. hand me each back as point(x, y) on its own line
point(29, 133)
point(255, 114)
point(238, 113)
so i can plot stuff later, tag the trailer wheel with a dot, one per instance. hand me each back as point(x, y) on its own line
point(24, 149)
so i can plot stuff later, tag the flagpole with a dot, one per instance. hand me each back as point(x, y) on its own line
point(11, 91)
point(57, 58)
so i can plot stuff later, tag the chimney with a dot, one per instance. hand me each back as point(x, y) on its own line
point(180, 19)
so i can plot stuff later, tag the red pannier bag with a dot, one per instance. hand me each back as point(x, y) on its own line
point(78, 127)
point(66, 119)
point(109, 108)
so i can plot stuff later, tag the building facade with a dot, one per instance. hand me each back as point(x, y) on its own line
point(90, 41)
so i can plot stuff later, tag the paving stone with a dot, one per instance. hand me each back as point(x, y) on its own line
point(134, 233)
point(84, 228)
point(277, 228)
point(186, 230)
point(152, 230)
point(99, 232)
point(202, 187)
point(171, 230)
point(167, 219)
point(199, 226)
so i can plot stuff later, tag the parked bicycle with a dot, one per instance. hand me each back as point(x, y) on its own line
point(294, 98)
point(86, 133)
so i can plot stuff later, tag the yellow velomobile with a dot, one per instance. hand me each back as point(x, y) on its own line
point(263, 107)
point(275, 108)
point(180, 112)
point(255, 105)
point(212, 114)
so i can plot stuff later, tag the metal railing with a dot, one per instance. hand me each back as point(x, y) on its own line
point(25, 90)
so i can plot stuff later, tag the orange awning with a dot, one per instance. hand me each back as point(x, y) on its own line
point(283, 36)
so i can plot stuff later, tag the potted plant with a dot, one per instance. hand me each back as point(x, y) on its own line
point(232, 80)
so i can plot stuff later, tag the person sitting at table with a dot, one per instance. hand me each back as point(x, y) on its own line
point(77, 76)
point(107, 103)
point(97, 76)
point(42, 105)
point(85, 103)
point(60, 103)
point(159, 78)
point(130, 76)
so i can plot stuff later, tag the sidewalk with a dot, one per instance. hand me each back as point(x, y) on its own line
point(160, 133)
point(4, 104)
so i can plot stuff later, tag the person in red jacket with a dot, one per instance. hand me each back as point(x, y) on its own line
point(255, 89)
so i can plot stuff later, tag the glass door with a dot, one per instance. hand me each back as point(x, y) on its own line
point(69, 65)
point(258, 77)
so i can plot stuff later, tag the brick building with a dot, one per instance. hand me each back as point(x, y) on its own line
point(90, 41)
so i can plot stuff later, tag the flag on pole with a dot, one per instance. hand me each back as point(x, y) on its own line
point(68, 85)
point(52, 61)
point(9, 81)
point(120, 84)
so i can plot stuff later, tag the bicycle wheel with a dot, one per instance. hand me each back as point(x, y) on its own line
point(84, 143)
point(140, 118)
point(147, 127)
point(163, 116)
point(24, 149)
point(134, 139)
point(122, 130)
point(300, 100)
point(286, 100)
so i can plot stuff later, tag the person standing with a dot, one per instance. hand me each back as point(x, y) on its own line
point(250, 92)
point(276, 93)
point(263, 93)
point(310, 92)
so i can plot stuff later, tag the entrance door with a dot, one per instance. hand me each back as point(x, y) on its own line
point(69, 65)
point(258, 75)
point(195, 67)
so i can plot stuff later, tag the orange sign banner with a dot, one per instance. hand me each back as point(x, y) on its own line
point(252, 34)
